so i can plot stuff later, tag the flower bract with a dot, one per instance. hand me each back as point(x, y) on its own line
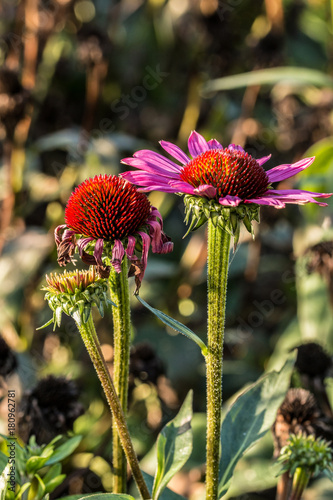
point(215, 177)
point(107, 217)
point(75, 293)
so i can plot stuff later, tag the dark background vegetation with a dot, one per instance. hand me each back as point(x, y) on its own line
point(84, 84)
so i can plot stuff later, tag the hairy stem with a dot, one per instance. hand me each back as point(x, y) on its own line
point(218, 260)
point(119, 292)
point(89, 337)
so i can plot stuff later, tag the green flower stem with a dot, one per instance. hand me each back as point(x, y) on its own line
point(218, 261)
point(90, 339)
point(300, 482)
point(119, 292)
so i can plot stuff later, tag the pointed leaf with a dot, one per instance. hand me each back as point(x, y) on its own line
point(176, 325)
point(174, 446)
point(64, 450)
point(45, 325)
point(270, 76)
point(250, 417)
point(166, 494)
point(107, 496)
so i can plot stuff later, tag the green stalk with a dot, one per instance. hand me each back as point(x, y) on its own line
point(218, 261)
point(300, 482)
point(90, 339)
point(119, 292)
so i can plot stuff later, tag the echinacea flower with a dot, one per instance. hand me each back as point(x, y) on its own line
point(222, 177)
point(75, 293)
point(107, 217)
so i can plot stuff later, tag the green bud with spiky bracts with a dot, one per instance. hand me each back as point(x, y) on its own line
point(307, 452)
point(75, 293)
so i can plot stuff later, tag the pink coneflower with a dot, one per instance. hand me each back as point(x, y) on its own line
point(106, 217)
point(228, 175)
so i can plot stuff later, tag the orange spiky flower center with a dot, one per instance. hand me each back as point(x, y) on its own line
point(231, 172)
point(106, 207)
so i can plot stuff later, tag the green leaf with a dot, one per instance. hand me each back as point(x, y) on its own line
point(166, 494)
point(64, 450)
point(174, 446)
point(108, 496)
point(288, 75)
point(35, 463)
point(53, 472)
point(54, 483)
point(250, 417)
point(176, 325)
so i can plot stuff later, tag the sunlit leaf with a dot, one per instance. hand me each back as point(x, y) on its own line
point(250, 417)
point(271, 76)
point(174, 446)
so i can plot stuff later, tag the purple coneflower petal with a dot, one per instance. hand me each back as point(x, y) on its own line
point(263, 160)
point(267, 200)
point(197, 144)
point(82, 243)
point(234, 147)
point(57, 236)
point(214, 144)
point(230, 201)
point(155, 234)
point(298, 196)
point(149, 167)
point(206, 190)
point(282, 172)
point(130, 246)
point(152, 158)
point(98, 251)
point(175, 151)
point(145, 249)
point(117, 255)
point(181, 187)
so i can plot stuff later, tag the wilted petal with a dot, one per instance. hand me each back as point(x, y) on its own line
point(117, 255)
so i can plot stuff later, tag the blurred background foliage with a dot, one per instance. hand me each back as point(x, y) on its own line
point(84, 84)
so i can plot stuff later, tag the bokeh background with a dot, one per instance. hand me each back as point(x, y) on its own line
point(84, 84)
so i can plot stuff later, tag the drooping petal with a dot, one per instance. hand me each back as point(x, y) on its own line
point(175, 151)
point(117, 255)
point(130, 246)
point(57, 231)
point(206, 190)
point(298, 196)
point(66, 243)
point(230, 201)
point(197, 144)
point(87, 258)
point(214, 144)
point(282, 172)
point(98, 251)
point(267, 200)
point(145, 249)
point(155, 232)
